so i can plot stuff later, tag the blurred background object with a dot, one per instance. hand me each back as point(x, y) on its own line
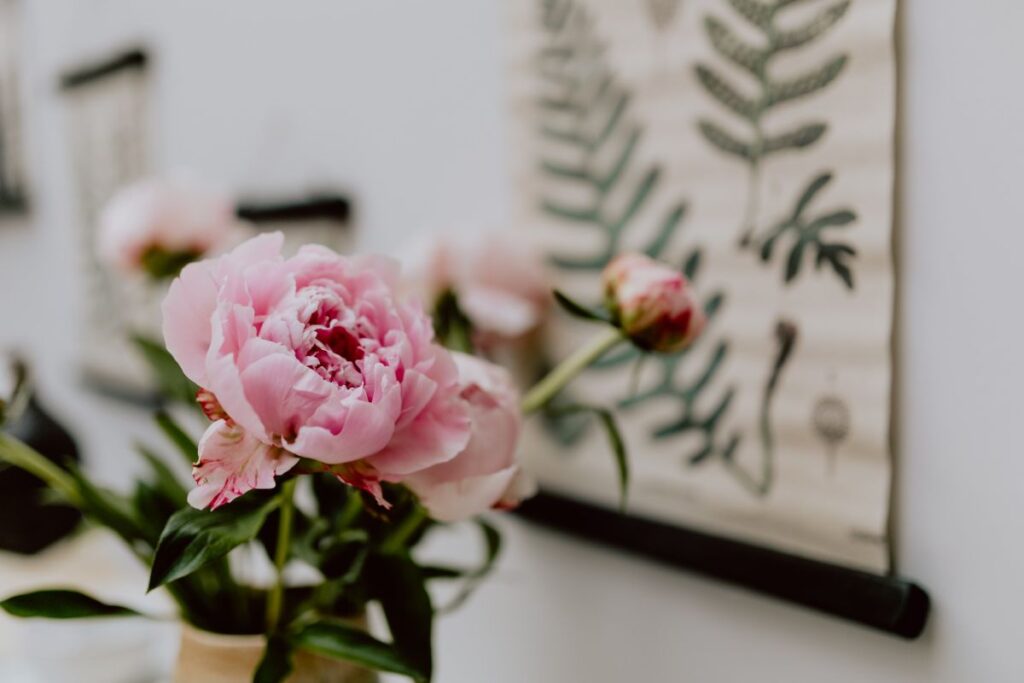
point(29, 521)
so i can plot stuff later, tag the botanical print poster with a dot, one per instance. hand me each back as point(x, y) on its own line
point(750, 143)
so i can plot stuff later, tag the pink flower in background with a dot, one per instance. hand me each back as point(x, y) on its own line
point(310, 357)
point(501, 283)
point(158, 225)
point(652, 303)
point(485, 474)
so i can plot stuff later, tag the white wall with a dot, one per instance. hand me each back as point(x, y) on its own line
point(401, 103)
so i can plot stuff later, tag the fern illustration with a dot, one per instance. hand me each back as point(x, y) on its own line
point(585, 113)
point(589, 112)
point(809, 236)
point(757, 144)
point(585, 109)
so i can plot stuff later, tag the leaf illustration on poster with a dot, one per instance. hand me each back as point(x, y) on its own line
point(732, 146)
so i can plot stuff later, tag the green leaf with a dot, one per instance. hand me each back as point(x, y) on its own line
point(804, 85)
point(62, 604)
point(276, 663)
point(341, 641)
point(452, 326)
point(725, 142)
point(178, 436)
point(398, 584)
point(194, 538)
point(578, 310)
point(797, 37)
point(108, 508)
point(607, 420)
point(492, 548)
point(165, 370)
point(726, 94)
point(732, 48)
point(805, 136)
point(163, 479)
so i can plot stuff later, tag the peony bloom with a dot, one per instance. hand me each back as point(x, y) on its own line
point(156, 226)
point(485, 474)
point(652, 303)
point(501, 283)
point(310, 357)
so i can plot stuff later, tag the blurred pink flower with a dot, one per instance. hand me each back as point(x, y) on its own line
point(158, 225)
point(652, 303)
point(486, 473)
point(310, 357)
point(500, 281)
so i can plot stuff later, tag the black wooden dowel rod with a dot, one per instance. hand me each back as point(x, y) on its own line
point(130, 59)
point(886, 603)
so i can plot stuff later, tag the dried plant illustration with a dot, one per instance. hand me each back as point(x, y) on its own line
point(809, 235)
point(586, 108)
point(585, 116)
point(757, 143)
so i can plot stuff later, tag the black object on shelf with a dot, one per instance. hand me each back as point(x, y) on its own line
point(316, 207)
point(886, 603)
point(28, 522)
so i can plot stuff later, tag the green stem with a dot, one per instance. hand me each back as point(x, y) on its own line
point(284, 541)
point(567, 370)
point(404, 530)
point(28, 459)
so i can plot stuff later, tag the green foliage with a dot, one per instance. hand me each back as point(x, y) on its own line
point(618, 446)
point(194, 538)
point(340, 641)
point(451, 325)
point(578, 310)
point(276, 663)
point(161, 264)
point(398, 585)
point(587, 115)
point(492, 548)
point(185, 444)
point(172, 382)
point(62, 604)
point(810, 236)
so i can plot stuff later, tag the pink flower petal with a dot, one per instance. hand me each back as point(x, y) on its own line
point(187, 311)
point(231, 463)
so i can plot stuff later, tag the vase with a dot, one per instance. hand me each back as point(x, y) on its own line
point(207, 657)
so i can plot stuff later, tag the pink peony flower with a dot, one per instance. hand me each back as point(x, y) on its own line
point(156, 226)
point(485, 474)
point(310, 357)
point(652, 303)
point(502, 285)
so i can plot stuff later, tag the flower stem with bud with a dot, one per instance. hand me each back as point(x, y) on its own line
point(567, 370)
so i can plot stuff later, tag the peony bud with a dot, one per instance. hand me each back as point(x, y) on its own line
point(653, 304)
